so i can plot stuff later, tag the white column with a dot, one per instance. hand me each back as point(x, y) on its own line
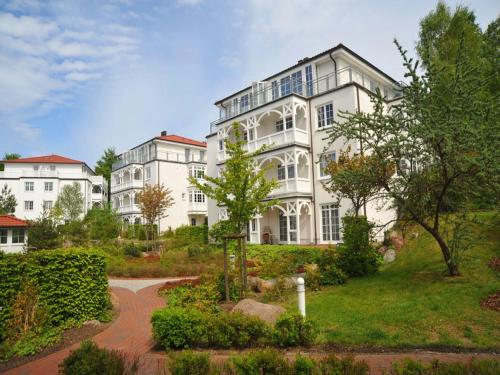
point(301, 296)
point(297, 215)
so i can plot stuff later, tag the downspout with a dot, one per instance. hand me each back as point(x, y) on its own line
point(313, 177)
point(158, 182)
point(360, 141)
point(334, 68)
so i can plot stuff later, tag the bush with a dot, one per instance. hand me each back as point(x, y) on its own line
point(313, 278)
point(75, 231)
point(266, 361)
point(475, 367)
point(294, 330)
point(178, 327)
point(102, 224)
point(234, 287)
point(43, 234)
point(89, 359)
point(189, 363)
point(331, 365)
point(189, 235)
point(195, 250)
point(202, 297)
point(357, 257)
point(72, 284)
point(139, 231)
point(132, 250)
point(331, 274)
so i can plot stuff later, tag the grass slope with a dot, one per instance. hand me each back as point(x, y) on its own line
point(412, 303)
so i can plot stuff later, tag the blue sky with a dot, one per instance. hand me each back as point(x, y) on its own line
point(79, 76)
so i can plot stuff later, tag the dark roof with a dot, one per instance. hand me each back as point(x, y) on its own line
point(303, 61)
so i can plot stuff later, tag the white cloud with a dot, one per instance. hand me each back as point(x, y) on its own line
point(25, 26)
point(189, 2)
point(25, 131)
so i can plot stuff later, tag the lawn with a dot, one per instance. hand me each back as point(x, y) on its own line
point(412, 303)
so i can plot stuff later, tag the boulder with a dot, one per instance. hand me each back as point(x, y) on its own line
point(396, 240)
point(390, 256)
point(266, 312)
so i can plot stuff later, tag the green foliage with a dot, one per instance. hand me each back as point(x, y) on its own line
point(75, 231)
point(7, 201)
point(203, 297)
point(43, 233)
point(104, 166)
point(102, 224)
point(189, 363)
point(330, 271)
point(234, 286)
point(72, 284)
point(331, 365)
point(190, 235)
point(89, 359)
point(266, 361)
point(69, 203)
point(131, 250)
point(292, 329)
point(474, 367)
point(304, 365)
point(178, 327)
point(139, 231)
point(357, 257)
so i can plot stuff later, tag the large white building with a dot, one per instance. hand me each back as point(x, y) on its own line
point(37, 181)
point(290, 112)
point(168, 160)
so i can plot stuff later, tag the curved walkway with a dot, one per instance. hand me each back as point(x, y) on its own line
point(130, 332)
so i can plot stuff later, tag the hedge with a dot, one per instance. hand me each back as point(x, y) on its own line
point(72, 283)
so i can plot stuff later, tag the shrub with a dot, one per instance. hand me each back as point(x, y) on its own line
point(331, 274)
point(43, 234)
point(292, 329)
point(132, 250)
point(331, 365)
point(357, 257)
point(102, 224)
point(266, 361)
point(72, 284)
point(234, 287)
point(139, 231)
point(178, 327)
point(475, 367)
point(188, 235)
point(89, 359)
point(304, 366)
point(280, 289)
point(195, 250)
point(75, 231)
point(313, 278)
point(202, 297)
point(189, 363)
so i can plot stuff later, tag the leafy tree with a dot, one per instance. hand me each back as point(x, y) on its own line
point(104, 166)
point(153, 201)
point(437, 137)
point(69, 203)
point(8, 201)
point(9, 156)
point(102, 223)
point(351, 177)
point(43, 233)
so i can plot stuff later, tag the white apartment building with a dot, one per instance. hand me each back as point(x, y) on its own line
point(37, 181)
point(168, 160)
point(289, 112)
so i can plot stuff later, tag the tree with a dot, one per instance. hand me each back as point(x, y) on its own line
point(102, 223)
point(8, 201)
point(153, 201)
point(43, 233)
point(104, 166)
point(9, 156)
point(69, 203)
point(438, 138)
point(352, 177)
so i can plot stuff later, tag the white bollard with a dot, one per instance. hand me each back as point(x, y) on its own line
point(301, 294)
point(232, 260)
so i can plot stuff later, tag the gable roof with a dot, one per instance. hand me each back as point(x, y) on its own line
point(9, 221)
point(49, 159)
point(184, 140)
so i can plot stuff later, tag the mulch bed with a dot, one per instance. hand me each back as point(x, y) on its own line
point(492, 302)
point(495, 264)
point(174, 284)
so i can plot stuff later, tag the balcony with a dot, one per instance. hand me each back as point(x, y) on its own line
point(127, 209)
point(293, 186)
point(305, 89)
point(163, 156)
point(131, 184)
point(197, 207)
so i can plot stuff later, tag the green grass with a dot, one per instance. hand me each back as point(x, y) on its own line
point(412, 303)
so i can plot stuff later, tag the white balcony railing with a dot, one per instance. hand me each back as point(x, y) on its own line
point(299, 185)
point(125, 209)
point(132, 184)
point(197, 207)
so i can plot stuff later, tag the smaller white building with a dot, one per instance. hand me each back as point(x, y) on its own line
point(13, 234)
point(37, 181)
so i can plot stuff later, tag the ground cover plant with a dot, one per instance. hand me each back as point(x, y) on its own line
point(412, 302)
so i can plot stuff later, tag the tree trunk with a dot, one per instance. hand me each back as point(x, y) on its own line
point(450, 263)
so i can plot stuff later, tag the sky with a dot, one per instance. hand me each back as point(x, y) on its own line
point(77, 77)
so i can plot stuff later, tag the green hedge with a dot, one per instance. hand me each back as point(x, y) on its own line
point(140, 231)
point(188, 235)
point(72, 283)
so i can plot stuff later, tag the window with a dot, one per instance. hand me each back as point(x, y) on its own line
point(274, 90)
point(187, 154)
point(291, 171)
point(52, 168)
point(36, 167)
point(29, 186)
point(279, 126)
point(325, 115)
point(309, 80)
point(193, 222)
point(289, 122)
point(330, 223)
point(323, 162)
point(373, 86)
point(281, 172)
point(244, 103)
point(251, 134)
point(235, 106)
point(297, 82)
point(197, 171)
point(283, 227)
point(28, 205)
point(3, 235)
point(196, 196)
point(253, 224)
point(286, 86)
point(293, 228)
point(148, 173)
point(49, 186)
point(47, 205)
point(221, 144)
point(202, 155)
point(17, 235)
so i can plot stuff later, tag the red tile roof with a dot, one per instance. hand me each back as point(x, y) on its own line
point(179, 139)
point(49, 159)
point(7, 221)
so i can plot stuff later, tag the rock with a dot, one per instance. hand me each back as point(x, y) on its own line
point(390, 256)
point(266, 312)
point(94, 323)
point(264, 285)
point(397, 240)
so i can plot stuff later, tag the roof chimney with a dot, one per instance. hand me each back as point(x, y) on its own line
point(163, 133)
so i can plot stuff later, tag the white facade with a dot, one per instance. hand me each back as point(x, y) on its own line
point(167, 160)
point(13, 234)
point(290, 112)
point(37, 182)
